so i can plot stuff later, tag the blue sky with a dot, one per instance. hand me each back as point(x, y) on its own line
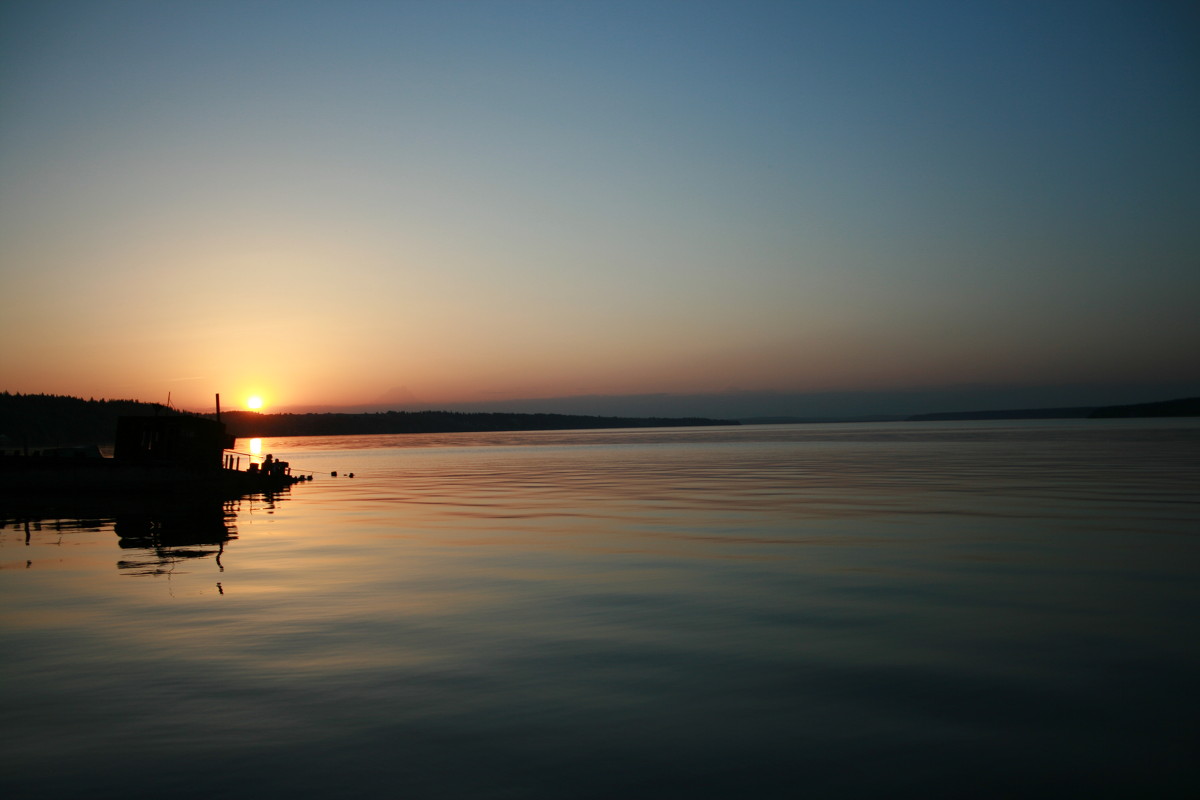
point(432, 204)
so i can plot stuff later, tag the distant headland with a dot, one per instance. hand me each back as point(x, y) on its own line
point(1184, 407)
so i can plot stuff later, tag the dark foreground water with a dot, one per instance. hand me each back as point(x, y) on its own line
point(940, 609)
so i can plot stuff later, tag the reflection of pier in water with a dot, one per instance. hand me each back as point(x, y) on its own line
point(155, 536)
point(157, 541)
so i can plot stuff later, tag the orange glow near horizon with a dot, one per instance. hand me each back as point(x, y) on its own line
point(340, 239)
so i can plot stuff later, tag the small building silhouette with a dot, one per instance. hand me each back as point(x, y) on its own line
point(179, 441)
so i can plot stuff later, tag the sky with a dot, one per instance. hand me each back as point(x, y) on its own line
point(753, 207)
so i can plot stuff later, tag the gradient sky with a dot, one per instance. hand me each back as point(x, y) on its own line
point(429, 203)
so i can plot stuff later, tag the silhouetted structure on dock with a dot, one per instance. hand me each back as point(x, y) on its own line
point(183, 441)
point(179, 455)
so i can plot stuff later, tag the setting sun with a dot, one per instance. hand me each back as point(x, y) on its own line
point(254, 403)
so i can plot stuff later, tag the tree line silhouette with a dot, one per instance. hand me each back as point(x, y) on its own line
point(56, 420)
point(51, 419)
point(249, 423)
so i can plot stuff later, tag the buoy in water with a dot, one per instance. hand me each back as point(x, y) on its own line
point(351, 475)
point(333, 474)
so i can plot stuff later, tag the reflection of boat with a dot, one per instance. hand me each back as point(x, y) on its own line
point(168, 455)
point(156, 539)
point(156, 532)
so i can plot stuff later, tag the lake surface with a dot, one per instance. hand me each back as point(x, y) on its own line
point(910, 609)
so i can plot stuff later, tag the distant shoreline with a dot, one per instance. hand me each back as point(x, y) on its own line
point(1184, 407)
point(244, 424)
point(53, 420)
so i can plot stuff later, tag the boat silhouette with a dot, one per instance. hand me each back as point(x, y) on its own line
point(180, 455)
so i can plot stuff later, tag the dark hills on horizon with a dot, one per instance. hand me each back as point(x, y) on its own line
point(56, 420)
point(251, 423)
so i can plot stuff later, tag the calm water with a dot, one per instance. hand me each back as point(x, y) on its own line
point(939, 609)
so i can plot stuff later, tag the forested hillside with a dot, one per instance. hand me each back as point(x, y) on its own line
point(28, 420)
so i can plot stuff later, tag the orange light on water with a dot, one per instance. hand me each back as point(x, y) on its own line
point(256, 447)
